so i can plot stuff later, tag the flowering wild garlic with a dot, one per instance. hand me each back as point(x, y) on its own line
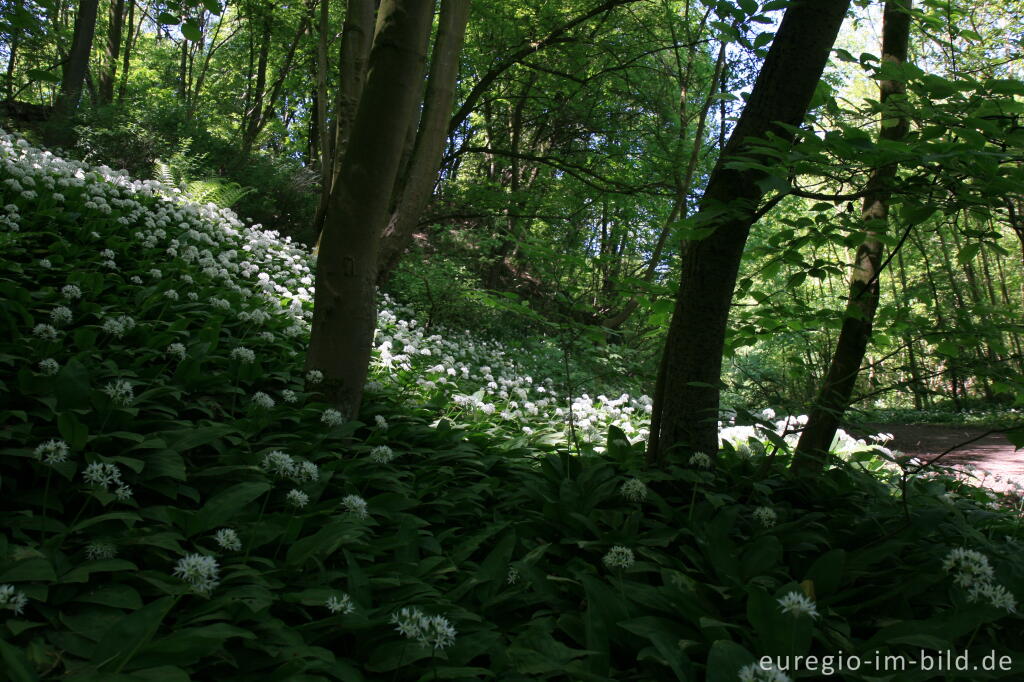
point(228, 539)
point(96, 551)
point(297, 498)
point(11, 599)
point(49, 367)
point(634, 490)
point(102, 474)
point(340, 604)
point(332, 417)
point(766, 516)
point(700, 460)
point(974, 573)
point(619, 557)
point(382, 454)
point(434, 632)
point(52, 452)
point(355, 505)
point(200, 571)
point(798, 604)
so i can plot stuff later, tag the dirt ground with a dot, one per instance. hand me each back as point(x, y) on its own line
point(992, 453)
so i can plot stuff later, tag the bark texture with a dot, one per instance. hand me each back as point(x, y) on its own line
point(345, 310)
point(417, 186)
point(73, 79)
point(812, 449)
point(686, 407)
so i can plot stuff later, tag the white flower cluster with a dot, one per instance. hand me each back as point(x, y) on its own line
point(797, 604)
point(634, 490)
point(766, 516)
point(431, 631)
point(228, 539)
point(332, 417)
point(340, 604)
point(355, 505)
point(619, 557)
point(11, 599)
point(200, 571)
point(755, 672)
point(973, 572)
point(52, 452)
point(382, 454)
point(97, 551)
point(120, 392)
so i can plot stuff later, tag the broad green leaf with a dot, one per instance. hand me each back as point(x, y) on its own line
point(190, 29)
point(725, 660)
point(118, 644)
point(15, 666)
point(223, 506)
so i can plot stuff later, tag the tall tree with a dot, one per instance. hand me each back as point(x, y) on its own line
point(345, 307)
point(687, 397)
point(812, 450)
point(75, 68)
point(108, 73)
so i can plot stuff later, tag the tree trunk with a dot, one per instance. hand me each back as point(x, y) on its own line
point(421, 176)
point(356, 39)
point(75, 68)
point(113, 52)
point(812, 449)
point(687, 408)
point(128, 44)
point(345, 307)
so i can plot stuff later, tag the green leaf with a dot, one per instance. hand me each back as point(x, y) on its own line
point(35, 570)
point(73, 431)
point(116, 596)
point(968, 253)
point(120, 643)
point(226, 504)
point(725, 660)
point(71, 386)
point(212, 6)
point(40, 75)
point(190, 29)
point(167, 18)
point(15, 664)
point(827, 571)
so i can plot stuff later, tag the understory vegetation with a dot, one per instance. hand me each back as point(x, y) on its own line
point(177, 505)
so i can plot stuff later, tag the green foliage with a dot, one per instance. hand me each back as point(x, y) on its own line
point(548, 565)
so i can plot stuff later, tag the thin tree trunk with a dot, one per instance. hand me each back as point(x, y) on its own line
point(319, 138)
point(129, 43)
point(356, 40)
point(782, 93)
point(112, 53)
point(12, 56)
point(421, 176)
point(812, 449)
point(75, 69)
point(345, 307)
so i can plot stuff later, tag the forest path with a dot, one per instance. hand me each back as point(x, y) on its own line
point(992, 452)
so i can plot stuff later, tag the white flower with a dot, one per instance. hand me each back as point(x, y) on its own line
point(95, 551)
point(382, 423)
point(262, 400)
point(45, 263)
point(61, 315)
point(297, 498)
point(432, 631)
point(102, 474)
point(177, 350)
point(71, 292)
point(634, 490)
point(123, 493)
point(971, 566)
point(44, 331)
point(228, 539)
point(756, 673)
point(700, 459)
point(798, 604)
point(332, 417)
point(305, 471)
point(766, 516)
point(513, 575)
point(12, 599)
point(382, 454)
point(997, 595)
point(342, 604)
point(200, 571)
point(619, 557)
point(289, 396)
point(355, 505)
point(121, 392)
point(49, 367)
point(52, 452)
point(314, 376)
point(171, 295)
point(243, 354)
point(279, 464)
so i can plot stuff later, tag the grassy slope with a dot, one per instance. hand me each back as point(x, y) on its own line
point(470, 513)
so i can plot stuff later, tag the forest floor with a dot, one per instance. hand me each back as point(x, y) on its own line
point(991, 452)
